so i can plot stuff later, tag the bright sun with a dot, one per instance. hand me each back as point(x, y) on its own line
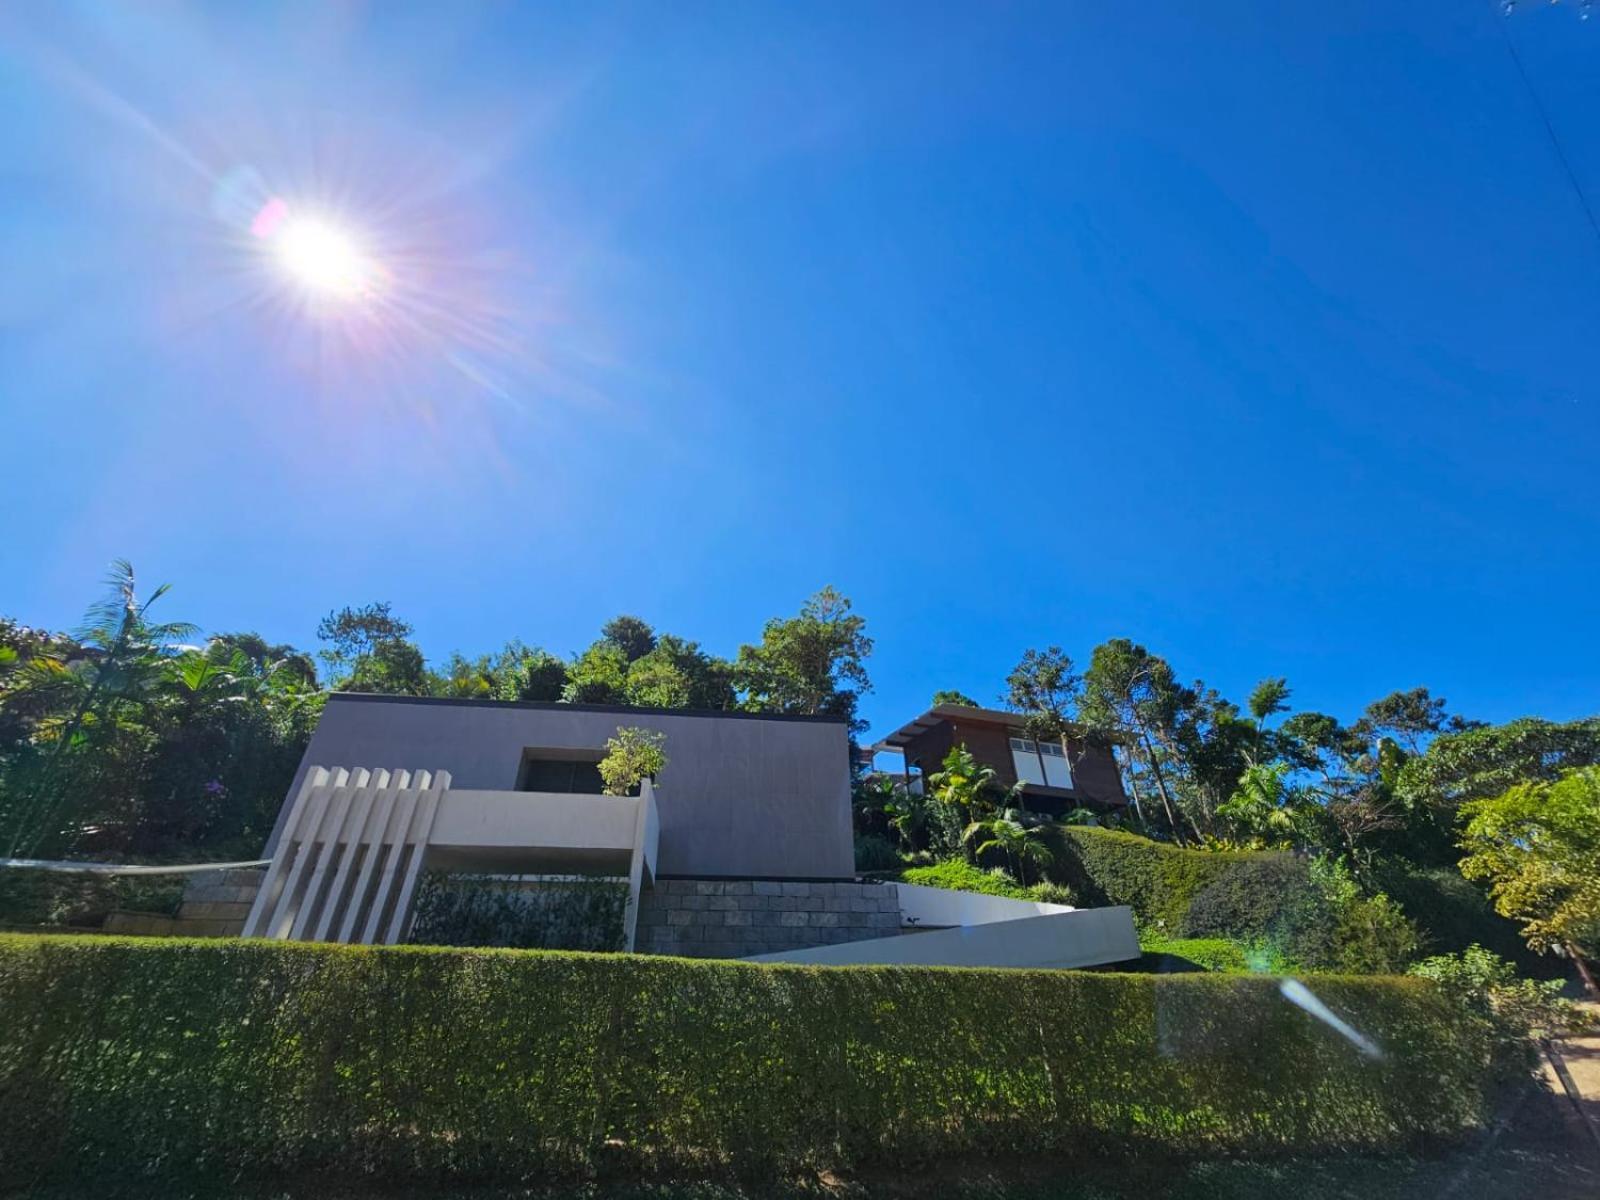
point(324, 260)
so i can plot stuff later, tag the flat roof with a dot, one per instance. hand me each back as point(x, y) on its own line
point(558, 706)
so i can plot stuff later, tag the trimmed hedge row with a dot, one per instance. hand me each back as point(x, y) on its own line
point(1159, 882)
point(126, 1054)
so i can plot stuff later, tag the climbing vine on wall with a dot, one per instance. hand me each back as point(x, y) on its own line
point(524, 912)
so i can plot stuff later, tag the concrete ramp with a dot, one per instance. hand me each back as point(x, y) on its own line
point(1082, 937)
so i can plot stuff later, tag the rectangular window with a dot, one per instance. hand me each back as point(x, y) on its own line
point(1057, 770)
point(1025, 757)
point(562, 775)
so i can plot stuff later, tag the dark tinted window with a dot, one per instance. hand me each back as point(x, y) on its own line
point(561, 775)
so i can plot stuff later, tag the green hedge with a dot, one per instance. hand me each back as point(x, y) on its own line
point(1309, 914)
point(456, 908)
point(122, 1055)
point(1159, 882)
point(1454, 913)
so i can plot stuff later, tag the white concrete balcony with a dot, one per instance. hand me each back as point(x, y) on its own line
point(356, 841)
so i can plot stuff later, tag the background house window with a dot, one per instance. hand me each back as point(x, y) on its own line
point(1057, 770)
point(1025, 758)
point(1043, 764)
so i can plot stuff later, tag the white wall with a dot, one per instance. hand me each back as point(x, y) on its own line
point(1084, 937)
point(939, 907)
point(469, 817)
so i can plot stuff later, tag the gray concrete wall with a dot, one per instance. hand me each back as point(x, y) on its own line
point(742, 795)
point(735, 918)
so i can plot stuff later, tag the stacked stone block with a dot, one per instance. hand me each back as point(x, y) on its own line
point(732, 918)
point(215, 904)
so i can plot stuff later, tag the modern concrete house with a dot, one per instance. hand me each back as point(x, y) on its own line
point(741, 848)
point(1055, 776)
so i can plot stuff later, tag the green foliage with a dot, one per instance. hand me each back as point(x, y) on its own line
point(1020, 844)
point(874, 853)
point(953, 696)
point(1517, 1010)
point(814, 663)
point(117, 740)
point(123, 1055)
point(598, 676)
point(632, 756)
point(1264, 810)
point(1453, 913)
point(1157, 880)
point(1044, 686)
point(82, 900)
point(1311, 913)
point(631, 635)
point(576, 913)
point(1483, 762)
point(1538, 847)
point(1214, 954)
point(957, 874)
point(369, 651)
point(965, 785)
point(676, 673)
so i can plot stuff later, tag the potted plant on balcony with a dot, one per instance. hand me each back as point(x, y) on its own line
point(631, 757)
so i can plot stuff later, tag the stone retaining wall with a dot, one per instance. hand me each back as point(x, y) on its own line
point(733, 918)
point(215, 904)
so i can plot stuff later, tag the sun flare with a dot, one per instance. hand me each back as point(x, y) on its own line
point(324, 260)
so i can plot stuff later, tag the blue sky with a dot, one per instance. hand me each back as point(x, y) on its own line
point(1264, 334)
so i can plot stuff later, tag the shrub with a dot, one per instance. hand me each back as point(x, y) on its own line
point(1159, 882)
point(961, 876)
point(633, 756)
point(1249, 898)
point(1214, 954)
point(874, 853)
point(33, 897)
point(1052, 893)
point(1219, 954)
point(123, 1055)
point(576, 913)
point(1453, 913)
point(1516, 1012)
point(1309, 912)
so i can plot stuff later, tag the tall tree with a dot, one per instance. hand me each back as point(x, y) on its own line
point(1132, 696)
point(369, 651)
point(631, 635)
point(678, 674)
point(1267, 699)
point(812, 663)
point(1045, 686)
point(598, 676)
point(266, 657)
point(1411, 718)
point(953, 696)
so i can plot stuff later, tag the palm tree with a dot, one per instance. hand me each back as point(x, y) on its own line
point(129, 654)
point(1020, 844)
point(1264, 806)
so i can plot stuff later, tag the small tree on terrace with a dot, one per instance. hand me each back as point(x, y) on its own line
point(631, 757)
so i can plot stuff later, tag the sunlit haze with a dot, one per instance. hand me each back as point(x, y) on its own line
point(1261, 334)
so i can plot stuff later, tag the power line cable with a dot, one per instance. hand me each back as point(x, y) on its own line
point(1549, 127)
